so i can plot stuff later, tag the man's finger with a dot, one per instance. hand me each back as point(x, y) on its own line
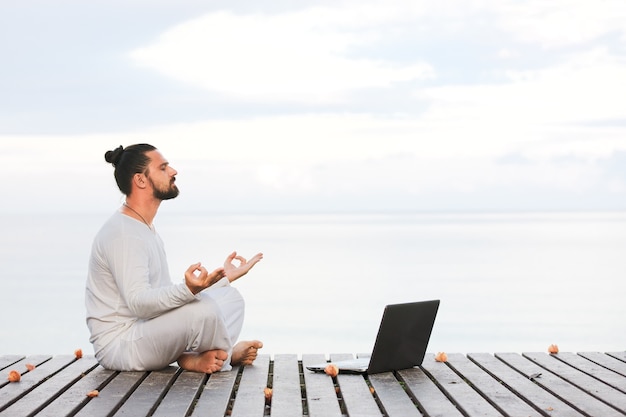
point(194, 267)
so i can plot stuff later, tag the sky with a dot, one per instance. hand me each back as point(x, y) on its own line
point(329, 106)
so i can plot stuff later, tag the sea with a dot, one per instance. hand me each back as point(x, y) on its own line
point(507, 281)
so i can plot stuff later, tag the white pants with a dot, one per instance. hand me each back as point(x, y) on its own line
point(212, 322)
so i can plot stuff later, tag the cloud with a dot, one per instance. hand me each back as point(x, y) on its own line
point(382, 105)
point(406, 182)
point(561, 23)
point(294, 56)
point(583, 86)
point(320, 54)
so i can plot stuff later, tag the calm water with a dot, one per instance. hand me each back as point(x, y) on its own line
point(507, 282)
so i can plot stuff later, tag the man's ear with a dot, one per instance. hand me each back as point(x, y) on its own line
point(140, 180)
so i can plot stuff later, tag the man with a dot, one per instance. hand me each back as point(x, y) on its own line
point(138, 318)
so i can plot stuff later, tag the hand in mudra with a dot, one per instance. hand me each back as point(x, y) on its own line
point(234, 272)
point(198, 278)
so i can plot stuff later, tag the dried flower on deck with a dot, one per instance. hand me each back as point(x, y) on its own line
point(78, 353)
point(30, 366)
point(93, 393)
point(331, 370)
point(441, 357)
point(268, 395)
point(14, 376)
point(553, 349)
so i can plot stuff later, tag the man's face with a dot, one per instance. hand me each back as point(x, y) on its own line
point(161, 177)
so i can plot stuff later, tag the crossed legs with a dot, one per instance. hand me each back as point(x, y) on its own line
point(244, 353)
point(197, 335)
point(231, 307)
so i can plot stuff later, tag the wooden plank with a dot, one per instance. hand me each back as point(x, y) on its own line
point(455, 388)
point(569, 385)
point(574, 396)
point(389, 392)
point(498, 394)
point(113, 395)
point(609, 362)
point(523, 386)
point(618, 355)
point(593, 369)
point(320, 389)
point(355, 392)
point(76, 396)
point(144, 394)
point(430, 399)
point(13, 391)
point(286, 389)
point(180, 398)
point(52, 387)
point(392, 396)
point(592, 386)
point(20, 366)
point(250, 398)
point(8, 360)
point(215, 396)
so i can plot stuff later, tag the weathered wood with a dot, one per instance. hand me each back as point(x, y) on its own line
point(589, 367)
point(618, 355)
point(8, 360)
point(392, 396)
point(12, 392)
point(113, 395)
point(250, 393)
point(590, 385)
point(355, 392)
point(497, 393)
point(286, 389)
point(146, 392)
point(457, 389)
point(19, 366)
point(431, 401)
point(525, 387)
point(215, 397)
point(573, 395)
point(37, 398)
point(508, 384)
point(180, 398)
point(320, 389)
point(76, 396)
point(607, 361)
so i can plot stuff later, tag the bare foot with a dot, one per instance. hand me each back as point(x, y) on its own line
point(205, 362)
point(245, 352)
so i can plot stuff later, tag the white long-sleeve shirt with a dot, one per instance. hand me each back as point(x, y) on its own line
point(128, 279)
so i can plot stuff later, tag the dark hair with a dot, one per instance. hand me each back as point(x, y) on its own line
point(128, 162)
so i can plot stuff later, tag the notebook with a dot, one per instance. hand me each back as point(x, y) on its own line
point(401, 342)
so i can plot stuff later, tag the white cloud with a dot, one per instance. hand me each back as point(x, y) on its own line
point(564, 105)
point(297, 56)
point(559, 116)
point(305, 55)
point(554, 24)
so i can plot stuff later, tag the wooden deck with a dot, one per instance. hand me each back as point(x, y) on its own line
point(506, 384)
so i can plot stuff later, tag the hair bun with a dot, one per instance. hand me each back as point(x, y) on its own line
point(114, 156)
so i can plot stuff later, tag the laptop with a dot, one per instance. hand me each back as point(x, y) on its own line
point(401, 342)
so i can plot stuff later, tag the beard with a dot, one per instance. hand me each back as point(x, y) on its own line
point(164, 194)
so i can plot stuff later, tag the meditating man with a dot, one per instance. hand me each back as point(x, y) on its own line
point(140, 320)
